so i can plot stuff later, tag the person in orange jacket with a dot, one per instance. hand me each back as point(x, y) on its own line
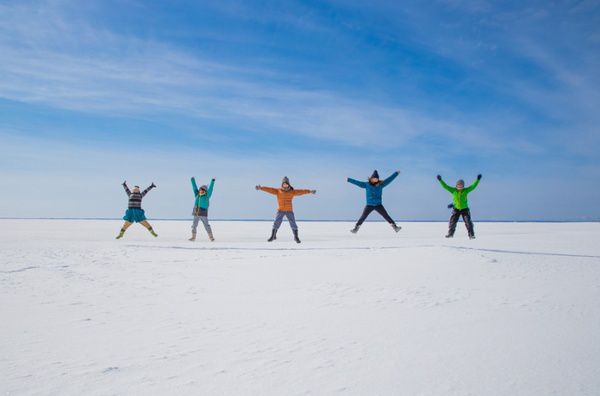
point(285, 195)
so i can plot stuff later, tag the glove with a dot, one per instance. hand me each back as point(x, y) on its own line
point(257, 187)
point(439, 177)
point(313, 191)
point(125, 182)
point(213, 179)
point(479, 176)
point(152, 185)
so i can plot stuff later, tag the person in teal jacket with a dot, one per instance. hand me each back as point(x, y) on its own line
point(374, 191)
point(460, 205)
point(200, 211)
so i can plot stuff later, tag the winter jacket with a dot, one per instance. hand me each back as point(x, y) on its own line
point(284, 198)
point(459, 198)
point(135, 199)
point(374, 192)
point(202, 201)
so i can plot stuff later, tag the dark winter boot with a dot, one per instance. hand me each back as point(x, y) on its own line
point(296, 236)
point(121, 233)
point(355, 229)
point(396, 227)
point(471, 236)
point(273, 236)
point(154, 234)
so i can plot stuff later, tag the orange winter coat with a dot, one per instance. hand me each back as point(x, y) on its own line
point(284, 198)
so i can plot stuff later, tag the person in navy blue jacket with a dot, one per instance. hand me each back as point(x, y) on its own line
point(374, 189)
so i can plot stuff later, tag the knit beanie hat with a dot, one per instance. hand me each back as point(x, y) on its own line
point(204, 187)
point(287, 180)
point(461, 181)
point(375, 174)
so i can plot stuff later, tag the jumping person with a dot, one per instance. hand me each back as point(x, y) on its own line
point(374, 190)
point(460, 205)
point(135, 213)
point(200, 212)
point(285, 195)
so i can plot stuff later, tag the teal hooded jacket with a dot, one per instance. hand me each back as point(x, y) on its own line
point(202, 201)
point(374, 192)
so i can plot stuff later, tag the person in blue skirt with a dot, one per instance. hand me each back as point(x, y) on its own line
point(135, 213)
point(374, 191)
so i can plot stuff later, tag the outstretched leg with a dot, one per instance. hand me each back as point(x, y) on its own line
point(123, 229)
point(148, 227)
point(366, 212)
point(276, 225)
point(278, 220)
point(292, 220)
point(381, 210)
point(466, 215)
point(194, 227)
point(207, 227)
point(452, 223)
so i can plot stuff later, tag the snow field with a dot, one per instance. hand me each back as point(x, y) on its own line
point(515, 312)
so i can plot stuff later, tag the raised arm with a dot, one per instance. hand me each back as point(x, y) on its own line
point(150, 187)
point(446, 187)
point(194, 186)
point(127, 190)
point(390, 179)
point(474, 185)
point(210, 188)
point(357, 183)
point(269, 190)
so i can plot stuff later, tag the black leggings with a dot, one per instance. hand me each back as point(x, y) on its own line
point(379, 209)
point(466, 215)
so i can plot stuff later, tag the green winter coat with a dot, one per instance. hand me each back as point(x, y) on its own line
point(459, 198)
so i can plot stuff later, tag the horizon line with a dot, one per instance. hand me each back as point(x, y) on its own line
point(311, 220)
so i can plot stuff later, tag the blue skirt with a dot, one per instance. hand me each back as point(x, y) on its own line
point(134, 215)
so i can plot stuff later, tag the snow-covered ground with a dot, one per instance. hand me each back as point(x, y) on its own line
point(515, 312)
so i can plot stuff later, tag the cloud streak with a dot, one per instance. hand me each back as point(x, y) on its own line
point(106, 73)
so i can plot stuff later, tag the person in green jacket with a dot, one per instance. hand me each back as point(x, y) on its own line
point(200, 211)
point(460, 205)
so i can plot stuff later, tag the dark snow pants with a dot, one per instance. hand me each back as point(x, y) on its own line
point(466, 215)
point(379, 209)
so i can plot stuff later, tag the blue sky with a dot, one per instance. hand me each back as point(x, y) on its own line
point(95, 92)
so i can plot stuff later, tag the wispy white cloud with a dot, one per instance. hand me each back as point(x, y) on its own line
point(71, 65)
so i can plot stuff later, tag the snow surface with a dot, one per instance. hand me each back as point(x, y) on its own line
point(515, 312)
